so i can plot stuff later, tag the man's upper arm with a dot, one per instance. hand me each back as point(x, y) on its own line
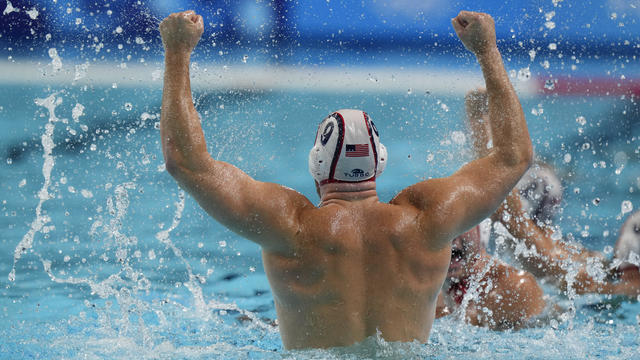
point(452, 205)
point(515, 298)
point(266, 213)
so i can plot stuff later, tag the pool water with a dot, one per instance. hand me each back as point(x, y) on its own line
point(110, 259)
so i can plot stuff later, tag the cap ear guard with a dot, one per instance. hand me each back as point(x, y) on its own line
point(322, 153)
point(541, 192)
point(382, 159)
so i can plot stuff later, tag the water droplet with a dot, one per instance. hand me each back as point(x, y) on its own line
point(550, 25)
point(245, 58)
point(33, 13)
point(596, 201)
point(607, 250)
point(586, 146)
point(553, 46)
point(222, 243)
point(128, 106)
point(549, 84)
point(118, 30)
point(532, 54)
point(458, 137)
point(524, 74)
point(567, 158)
point(581, 120)
point(548, 16)
point(626, 207)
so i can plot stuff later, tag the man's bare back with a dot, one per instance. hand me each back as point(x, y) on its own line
point(361, 267)
point(353, 266)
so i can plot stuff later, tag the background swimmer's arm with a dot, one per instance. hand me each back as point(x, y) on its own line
point(263, 212)
point(453, 205)
point(550, 254)
point(514, 299)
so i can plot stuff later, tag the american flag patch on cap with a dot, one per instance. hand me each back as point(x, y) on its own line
point(357, 150)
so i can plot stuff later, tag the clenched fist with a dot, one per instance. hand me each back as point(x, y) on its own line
point(476, 31)
point(181, 31)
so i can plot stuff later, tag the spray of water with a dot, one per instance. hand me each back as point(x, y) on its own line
point(41, 218)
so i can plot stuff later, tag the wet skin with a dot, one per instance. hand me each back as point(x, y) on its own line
point(353, 266)
point(550, 257)
point(506, 297)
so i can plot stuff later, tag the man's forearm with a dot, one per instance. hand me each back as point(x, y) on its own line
point(182, 138)
point(506, 119)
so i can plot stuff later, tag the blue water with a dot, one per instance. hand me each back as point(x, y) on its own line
point(117, 269)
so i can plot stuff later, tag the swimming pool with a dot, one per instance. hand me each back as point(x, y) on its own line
point(119, 263)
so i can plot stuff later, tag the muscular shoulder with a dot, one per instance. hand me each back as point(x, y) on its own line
point(373, 223)
point(420, 195)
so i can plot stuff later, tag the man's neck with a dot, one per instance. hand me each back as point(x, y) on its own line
point(345, 191)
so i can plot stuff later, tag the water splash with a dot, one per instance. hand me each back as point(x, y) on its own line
point(203, 310)
point(41, 219)
point(9, 8)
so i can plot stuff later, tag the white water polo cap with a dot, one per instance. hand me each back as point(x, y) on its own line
point(540, 192)
point(347, 149)
point(628, 245)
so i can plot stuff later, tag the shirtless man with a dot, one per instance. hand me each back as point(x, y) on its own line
point(528, 215)
point(502, 297)
point(352, 266)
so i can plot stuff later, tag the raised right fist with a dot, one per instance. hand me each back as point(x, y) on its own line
point(181, 31)
point(476, 31)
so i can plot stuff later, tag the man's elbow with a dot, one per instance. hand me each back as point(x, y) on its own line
point(187, 170)
point(527, 155)
point(519, 158)
point(174, 164)
point(173, 167)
